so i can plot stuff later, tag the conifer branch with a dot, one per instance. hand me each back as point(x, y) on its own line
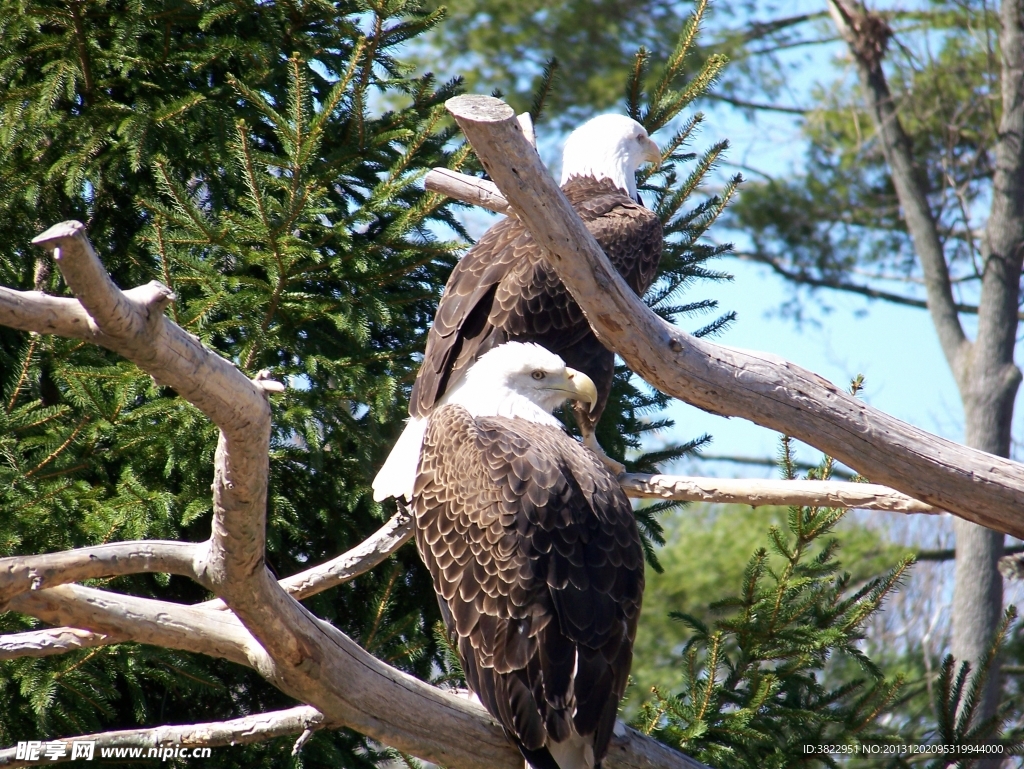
point(238, 731)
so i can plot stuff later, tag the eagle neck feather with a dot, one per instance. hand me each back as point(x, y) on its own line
point(504, 402)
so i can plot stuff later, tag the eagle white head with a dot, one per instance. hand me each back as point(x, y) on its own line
point(516, 380)
point(522, 380)
point(609, 147)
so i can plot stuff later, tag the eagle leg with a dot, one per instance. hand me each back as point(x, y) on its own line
point(588, 429)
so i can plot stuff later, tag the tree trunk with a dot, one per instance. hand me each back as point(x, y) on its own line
point(986, 375)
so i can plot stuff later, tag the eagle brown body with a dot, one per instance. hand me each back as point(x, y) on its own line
point(503, 290)
point(537, 563)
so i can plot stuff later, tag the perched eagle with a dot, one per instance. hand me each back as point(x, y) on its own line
point(502, 289)
point(534, 554)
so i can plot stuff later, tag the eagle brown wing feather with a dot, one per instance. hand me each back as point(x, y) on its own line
point(503, 290)
point(535, 556)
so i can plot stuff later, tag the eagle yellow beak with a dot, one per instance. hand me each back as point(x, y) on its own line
point(651, 153)
point(580, 387)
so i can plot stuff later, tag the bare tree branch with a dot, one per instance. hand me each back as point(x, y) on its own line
point(124, 618)
point(866, 496)
point(154, 742)
point(804, 278)
point(763, 388)
point(469, 189)
point(347, 566)
point(359, 560)
point(36, 572)
point(742, 104)
point(300, 654)
point(51, 641)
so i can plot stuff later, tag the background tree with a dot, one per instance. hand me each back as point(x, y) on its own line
point(933, 195)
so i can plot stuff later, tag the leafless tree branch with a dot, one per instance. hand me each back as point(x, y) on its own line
point(36, 572)
point(51, 641)
point(265, 628)
point(469, 189)
point(349, 565)
point(804, 278)
point(866, 496)
point(239, 731)
point(124, 618)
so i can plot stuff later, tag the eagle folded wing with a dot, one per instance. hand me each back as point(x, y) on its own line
point(535, 556)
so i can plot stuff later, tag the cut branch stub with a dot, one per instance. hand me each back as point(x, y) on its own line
point(760, 387)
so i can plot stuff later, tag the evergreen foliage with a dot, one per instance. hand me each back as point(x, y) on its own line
point(784, 669)
point(705, 556)
point(755, 689)
point(238, 154)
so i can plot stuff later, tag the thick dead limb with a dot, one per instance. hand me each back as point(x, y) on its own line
point(866, 496)
point(44, 314)
point(760, 387)
point(52, 641)
point(36, 572)
point(469, 189)
point(126, 618)
point(239, 731)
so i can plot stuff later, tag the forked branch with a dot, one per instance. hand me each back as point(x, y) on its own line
point(265, 628)
point(760, 387)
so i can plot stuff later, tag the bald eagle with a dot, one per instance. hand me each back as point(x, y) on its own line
point(502, 289)
point(534, 554)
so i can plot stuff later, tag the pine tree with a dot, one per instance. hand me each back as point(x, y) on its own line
point(240, 154)
point(761, 684)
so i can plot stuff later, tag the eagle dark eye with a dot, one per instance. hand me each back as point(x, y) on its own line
point(538, 375)
point(640, 138)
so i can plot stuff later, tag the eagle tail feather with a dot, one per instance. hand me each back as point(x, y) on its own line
point(540, 758)
point(574, 753)
point(398, 473)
